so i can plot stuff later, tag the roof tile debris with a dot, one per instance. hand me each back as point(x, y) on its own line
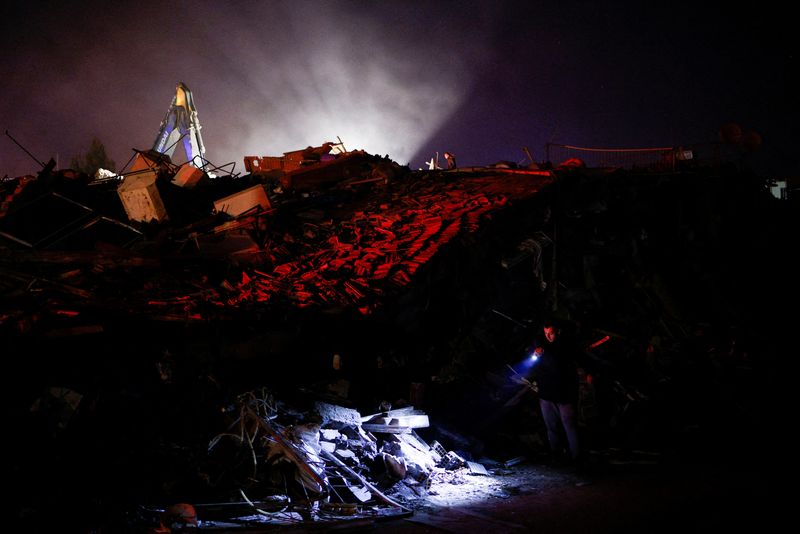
point(427, 282)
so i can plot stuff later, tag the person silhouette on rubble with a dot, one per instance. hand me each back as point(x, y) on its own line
point(556, 373)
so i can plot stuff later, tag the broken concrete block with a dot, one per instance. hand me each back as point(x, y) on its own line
point(361, 493)
point(418, 473)
point(344, 453)
point(332, 412)
point(150, 160)
point(141, 199)
point(386, 429)
point(476, 469)
point(347, 456)
point(262, 164)
point(329, 434)
point(452, 461)
point(188, 176)
point(422, 458)
point(437, 451)
point(243, 201)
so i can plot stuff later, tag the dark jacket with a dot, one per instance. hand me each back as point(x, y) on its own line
point(556, 371)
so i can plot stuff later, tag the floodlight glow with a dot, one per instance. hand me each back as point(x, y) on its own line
point(377, 97)
point(383, 115)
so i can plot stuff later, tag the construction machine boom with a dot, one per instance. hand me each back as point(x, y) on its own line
point(181, 123)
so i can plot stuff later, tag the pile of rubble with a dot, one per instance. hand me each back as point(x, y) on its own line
point(206, 247)
point(269, 464)
point(88, 265)
point(427, 283)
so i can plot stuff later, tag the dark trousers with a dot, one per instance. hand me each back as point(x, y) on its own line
point(561, 419)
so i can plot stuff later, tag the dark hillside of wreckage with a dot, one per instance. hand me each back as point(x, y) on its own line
point(427, 284)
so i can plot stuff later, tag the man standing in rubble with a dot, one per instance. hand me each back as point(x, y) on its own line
point(555, 370)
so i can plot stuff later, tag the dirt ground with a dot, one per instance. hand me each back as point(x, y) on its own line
point(633, 492)
point(615, 496)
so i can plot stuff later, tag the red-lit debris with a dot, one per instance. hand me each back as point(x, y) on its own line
point(373, 252)
point(346, 245)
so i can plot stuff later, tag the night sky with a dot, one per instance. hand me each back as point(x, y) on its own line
point(403, 79)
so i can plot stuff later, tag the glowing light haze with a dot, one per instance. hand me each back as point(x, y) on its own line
point(267, 77)
point(482, 79)
point(360, 86)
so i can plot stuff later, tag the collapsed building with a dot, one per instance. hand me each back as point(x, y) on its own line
point(177, 335)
